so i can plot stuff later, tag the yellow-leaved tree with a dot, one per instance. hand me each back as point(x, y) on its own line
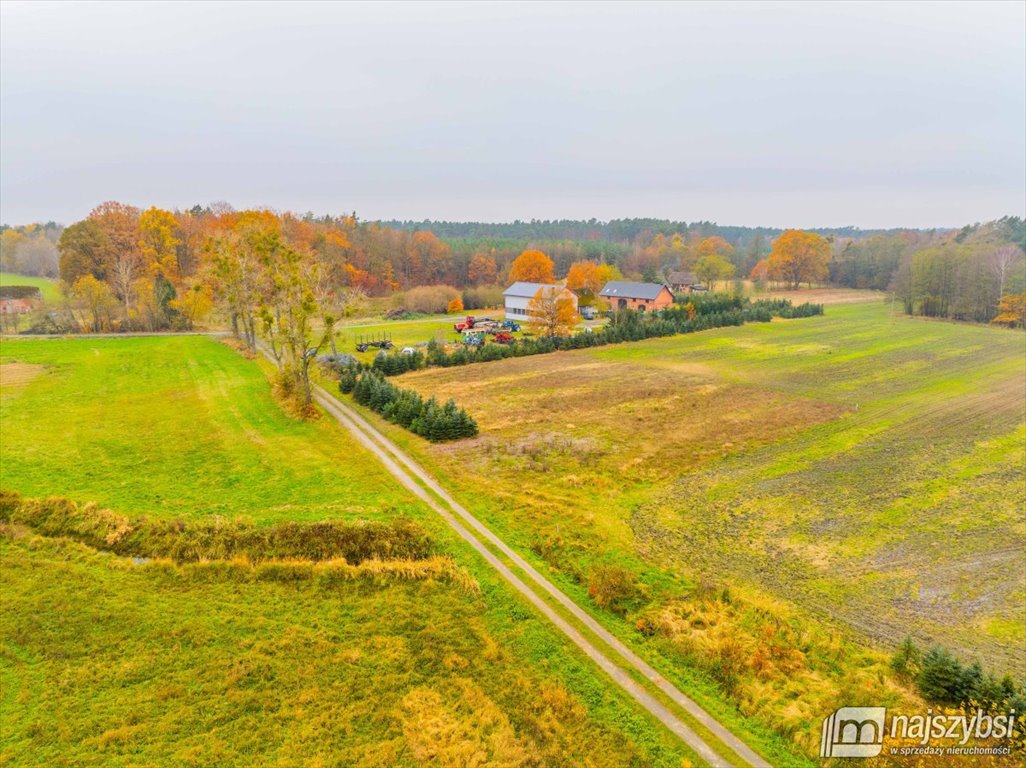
point(552, 312)
point(1011, 310)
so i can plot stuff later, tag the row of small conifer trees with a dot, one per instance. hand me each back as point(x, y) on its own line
point(437, 423)
point(700, 313)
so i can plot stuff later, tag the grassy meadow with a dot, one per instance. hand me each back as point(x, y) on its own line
point(853, 478)
point(176, 427)
point(107, 663)
point(114, 660)
point(50, 289)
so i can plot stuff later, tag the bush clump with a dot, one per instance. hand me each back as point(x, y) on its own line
point(482, 297)
point(614, 588)
point(429, 299)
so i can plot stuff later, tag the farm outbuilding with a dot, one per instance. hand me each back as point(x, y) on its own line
point(639, 296)
point(519, 295)
point(19, 299)
point(682, 281)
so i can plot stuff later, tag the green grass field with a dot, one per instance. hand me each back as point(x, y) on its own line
point(793, 496)
point(104, 661)
point(864, 468)
point(404, 333)
point(174, 427)
point(846, 449)
point(50, 289)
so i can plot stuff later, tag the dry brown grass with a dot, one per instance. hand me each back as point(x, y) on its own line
point(642, 421)
point(824, 295)
point(16, 376)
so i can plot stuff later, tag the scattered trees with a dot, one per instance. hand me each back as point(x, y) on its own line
point(295, 325)
point(170, 269)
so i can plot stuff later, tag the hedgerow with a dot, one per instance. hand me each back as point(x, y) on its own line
point(700, 312)
point(437, 423)
point(220, 539)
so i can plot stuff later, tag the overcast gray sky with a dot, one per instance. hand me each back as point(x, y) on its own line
point(876, 114)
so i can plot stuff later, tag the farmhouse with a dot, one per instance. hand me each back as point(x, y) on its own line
point(519, 295)
point(639, 296)
point(19, 299)
point(683, 281)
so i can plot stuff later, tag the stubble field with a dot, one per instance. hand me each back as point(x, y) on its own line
point(863, 466)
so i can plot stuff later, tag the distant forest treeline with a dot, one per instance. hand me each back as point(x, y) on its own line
point(143, 260)
point(622, 231)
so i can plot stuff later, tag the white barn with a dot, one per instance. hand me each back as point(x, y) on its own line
point(519, 295)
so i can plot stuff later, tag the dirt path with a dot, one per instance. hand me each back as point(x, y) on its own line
point(408, 473)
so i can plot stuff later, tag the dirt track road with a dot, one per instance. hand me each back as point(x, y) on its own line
point(732, 750)
point(407, 472)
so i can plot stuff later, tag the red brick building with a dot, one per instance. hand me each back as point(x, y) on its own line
point(639, 296)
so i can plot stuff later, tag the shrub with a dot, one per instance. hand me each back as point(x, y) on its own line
point(336, 362)
point(454, 306)
point(614, 588)
point(482, 297)
point(429, 299)
point(347, 379)
point(906, 661)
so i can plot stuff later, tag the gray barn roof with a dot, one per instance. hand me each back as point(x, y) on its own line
point(528, 290)
point(620, 289)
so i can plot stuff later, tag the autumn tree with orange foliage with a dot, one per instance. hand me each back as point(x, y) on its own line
point(714, 246)
point(1011, 311)
point(585, 280)
point(119, 223)
point(552, 312)
point(799, 257)
point(532, 267)
point(482, 270)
